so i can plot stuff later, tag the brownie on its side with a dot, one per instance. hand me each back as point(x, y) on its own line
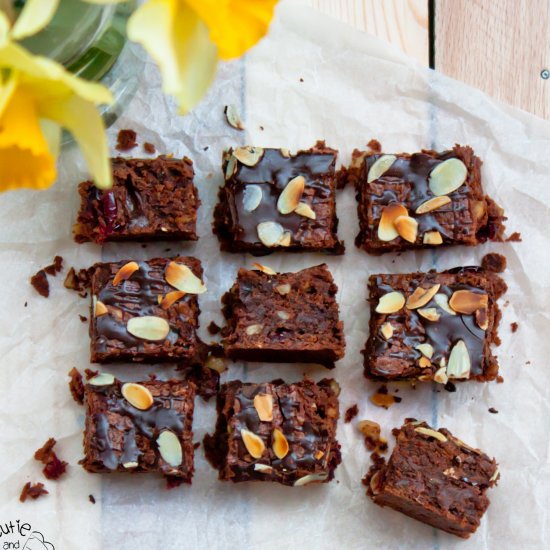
point(150, 199)
point(146, 311)
point(434, 326)
point(276, 432)
point(275, 200)
point(139, 427)
point(435, 478)
point(283, 317)
point(422, 200)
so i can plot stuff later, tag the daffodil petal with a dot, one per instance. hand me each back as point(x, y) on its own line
point(14, 56)
point(235, 25)
point(4, 27)
point(52, 134)
point(7, 89)
point(176, 38)
point(25, 157)
point(81, 118)
point(36, 14)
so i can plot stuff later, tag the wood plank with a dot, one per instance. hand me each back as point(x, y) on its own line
point(499, 46)
point(404, 23)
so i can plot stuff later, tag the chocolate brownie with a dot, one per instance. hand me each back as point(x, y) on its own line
point(422, 200)
point(435, 478)
point(146, 311)
point(150, 199)
point(139, 427)
point(274, 200)
point(276, 432)
point(434, 326)
point(283, 317)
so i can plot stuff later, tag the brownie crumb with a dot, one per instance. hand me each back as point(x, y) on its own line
point(384, 400)
point(26, 304)
point(196, 445)
point(500, 379)
point(301, 79)
point(78, 282)
point(83, 318)
point(262, 128)
point(493, 410)
point(90, 373)
point(40, 283)
point(514, 326)
point(450, 387)
point(205, 148)
point(373, 440)
point(351, 413)
point(374, 145)
point(382, 389)
point(76, 386)
point(91, 498)
point(32, 490)
point(126, 140)
point(54, 468)
point(173, 481)
point(514, 238)
point(149, 148)
point(496, 263)
point(213, 328)
point(55, 267)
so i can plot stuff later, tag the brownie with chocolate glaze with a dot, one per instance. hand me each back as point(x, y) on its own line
point(138, 315)
point(435, 478)
point(274, 431)
point(434, 326)
point(150, 199)
point(139, 427)
point(283, 317)
point(422, 200)
point(274, 200)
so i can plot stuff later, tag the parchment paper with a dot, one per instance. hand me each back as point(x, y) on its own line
point(354, 88)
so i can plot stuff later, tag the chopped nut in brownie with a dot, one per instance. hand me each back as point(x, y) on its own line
point(351, 413)
point(40, 283)
point(149, 148)
point(76, 385)
point(53, 467)
point(32, 490)
point(126, 140)
point(77, 281)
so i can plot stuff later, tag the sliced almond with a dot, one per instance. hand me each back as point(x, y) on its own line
point(465, 301)
point(137, 395)
point(148, 328)
point(283, 315)
point(373, 483)
point(305, 210)
point(380, 167)
point(386, 229)
point(181, 277)
point(386, 330)
point(440, 375)
point(421, 296)
point(215, 363)
point(291, 195)
point(280, 444)
point(319, 455)
point(431, 433)
point(432, 204)
point(390, 302)
point(407, 228)
point(310, 478)
point(264, 269)
point(429, 313)
point(283, 289)
point(479, 209)
point(100, 309)
point(248, 155)
point(494, 477)
point(447, 176)
point(125, 272)
point(263, 468)
point(335, 387)
point(252, 197)
point(253, 329)
point(459, 364)
point(263, 403)
point(482, 318)
point(171, 298)
point(170, 448)
point(160, 297)
point(426, 350)
point(285, 152)
point(443, 302)
point(270, 233)
point(233, 118)
point(254, 444)
point(230, 167)
point(424, 363)
point(130, 465)
point(432, 237)
point(103, 379)
point(286, 239)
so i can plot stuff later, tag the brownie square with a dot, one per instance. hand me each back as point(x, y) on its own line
point(139, 427)
point(283, 317)
point(422, 200)
point(150, 199)
point(168, 331)
point(435, 478)
point(434, 326)
point(274, 200)
point(276, 432)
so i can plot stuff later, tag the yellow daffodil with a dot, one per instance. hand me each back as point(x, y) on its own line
point(186, 38)
point(37, 99)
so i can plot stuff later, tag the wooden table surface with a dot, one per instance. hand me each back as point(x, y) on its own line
point(499, 46)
